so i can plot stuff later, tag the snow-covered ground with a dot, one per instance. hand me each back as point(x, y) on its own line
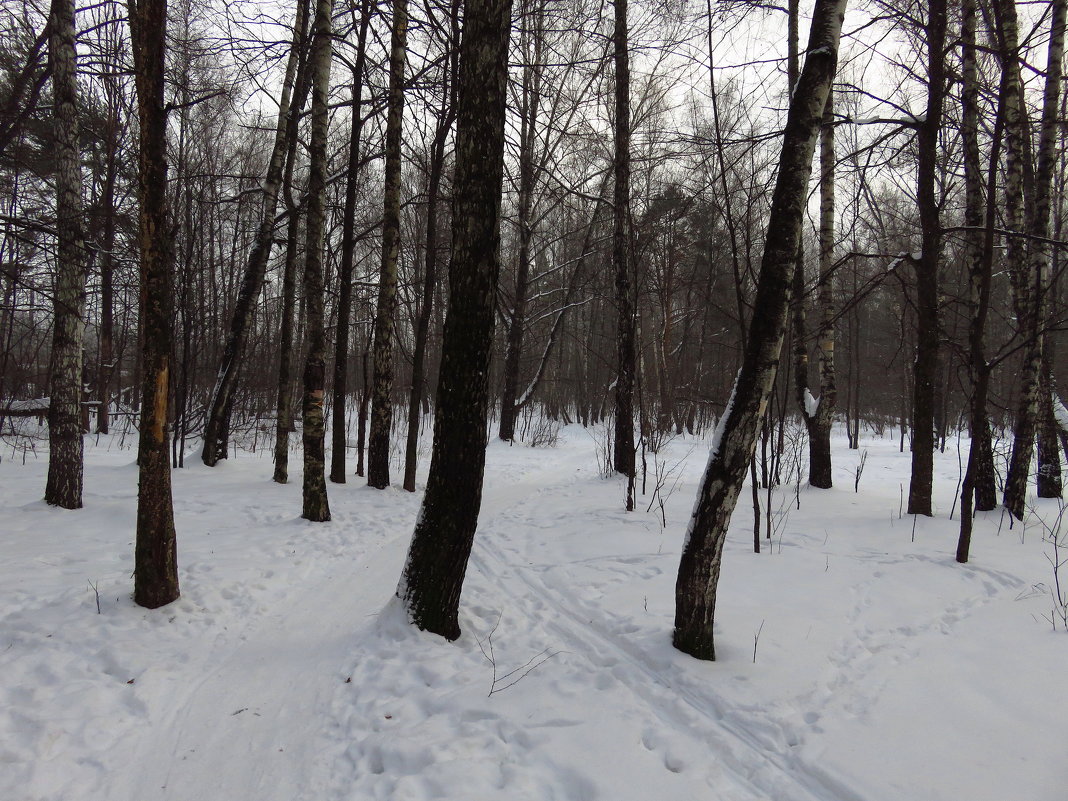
point(883, 670)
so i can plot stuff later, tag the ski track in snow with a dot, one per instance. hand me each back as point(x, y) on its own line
point(286, 672)
point(672, 704)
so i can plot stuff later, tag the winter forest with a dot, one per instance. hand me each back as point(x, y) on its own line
point(551, 399)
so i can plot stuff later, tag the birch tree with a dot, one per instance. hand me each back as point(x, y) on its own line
point(699, 568)
point(64, 483)
point(316, 504)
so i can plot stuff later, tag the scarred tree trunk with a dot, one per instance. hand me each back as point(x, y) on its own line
point(699, 568)
point(64, 483)
point(316, 505)
point(382, 394)
point(927, 334)
point(155, 554)
point(623, 453)
point(433, 573)
point(216, 430)
point(338, 433)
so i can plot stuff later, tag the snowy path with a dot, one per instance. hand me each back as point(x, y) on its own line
point(680, 719)
point(251, 726)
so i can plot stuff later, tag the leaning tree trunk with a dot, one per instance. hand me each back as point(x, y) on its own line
point(433, 573)
point(695, 590)
point(927, 334)
point(623, 453)
point(155, 554)
point(316, 505)
point(216, 430)
point(338, 434)
point(64, 484)
point(382, 393)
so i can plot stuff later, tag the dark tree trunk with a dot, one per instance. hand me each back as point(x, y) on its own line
point(155, 555)
point(105, 361)
point(338, 433)
point(979, 476)
point(1049, 460)
point(382, 394)
point(430, 266)
point(284, 395)
point(286, 345)
point(623, 454)
point(216, 430)
point(927, 333)
point(441, 544)
point(528, 114)
point(64, 484)
point(316, 504)
point(361, 423)
point(818, 413)
point(699, 568)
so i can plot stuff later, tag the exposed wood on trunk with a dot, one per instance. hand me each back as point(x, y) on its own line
point(155, 554)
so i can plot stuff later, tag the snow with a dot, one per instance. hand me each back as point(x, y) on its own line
point(287, 670)
point(1060, 413)
point(812, 404)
